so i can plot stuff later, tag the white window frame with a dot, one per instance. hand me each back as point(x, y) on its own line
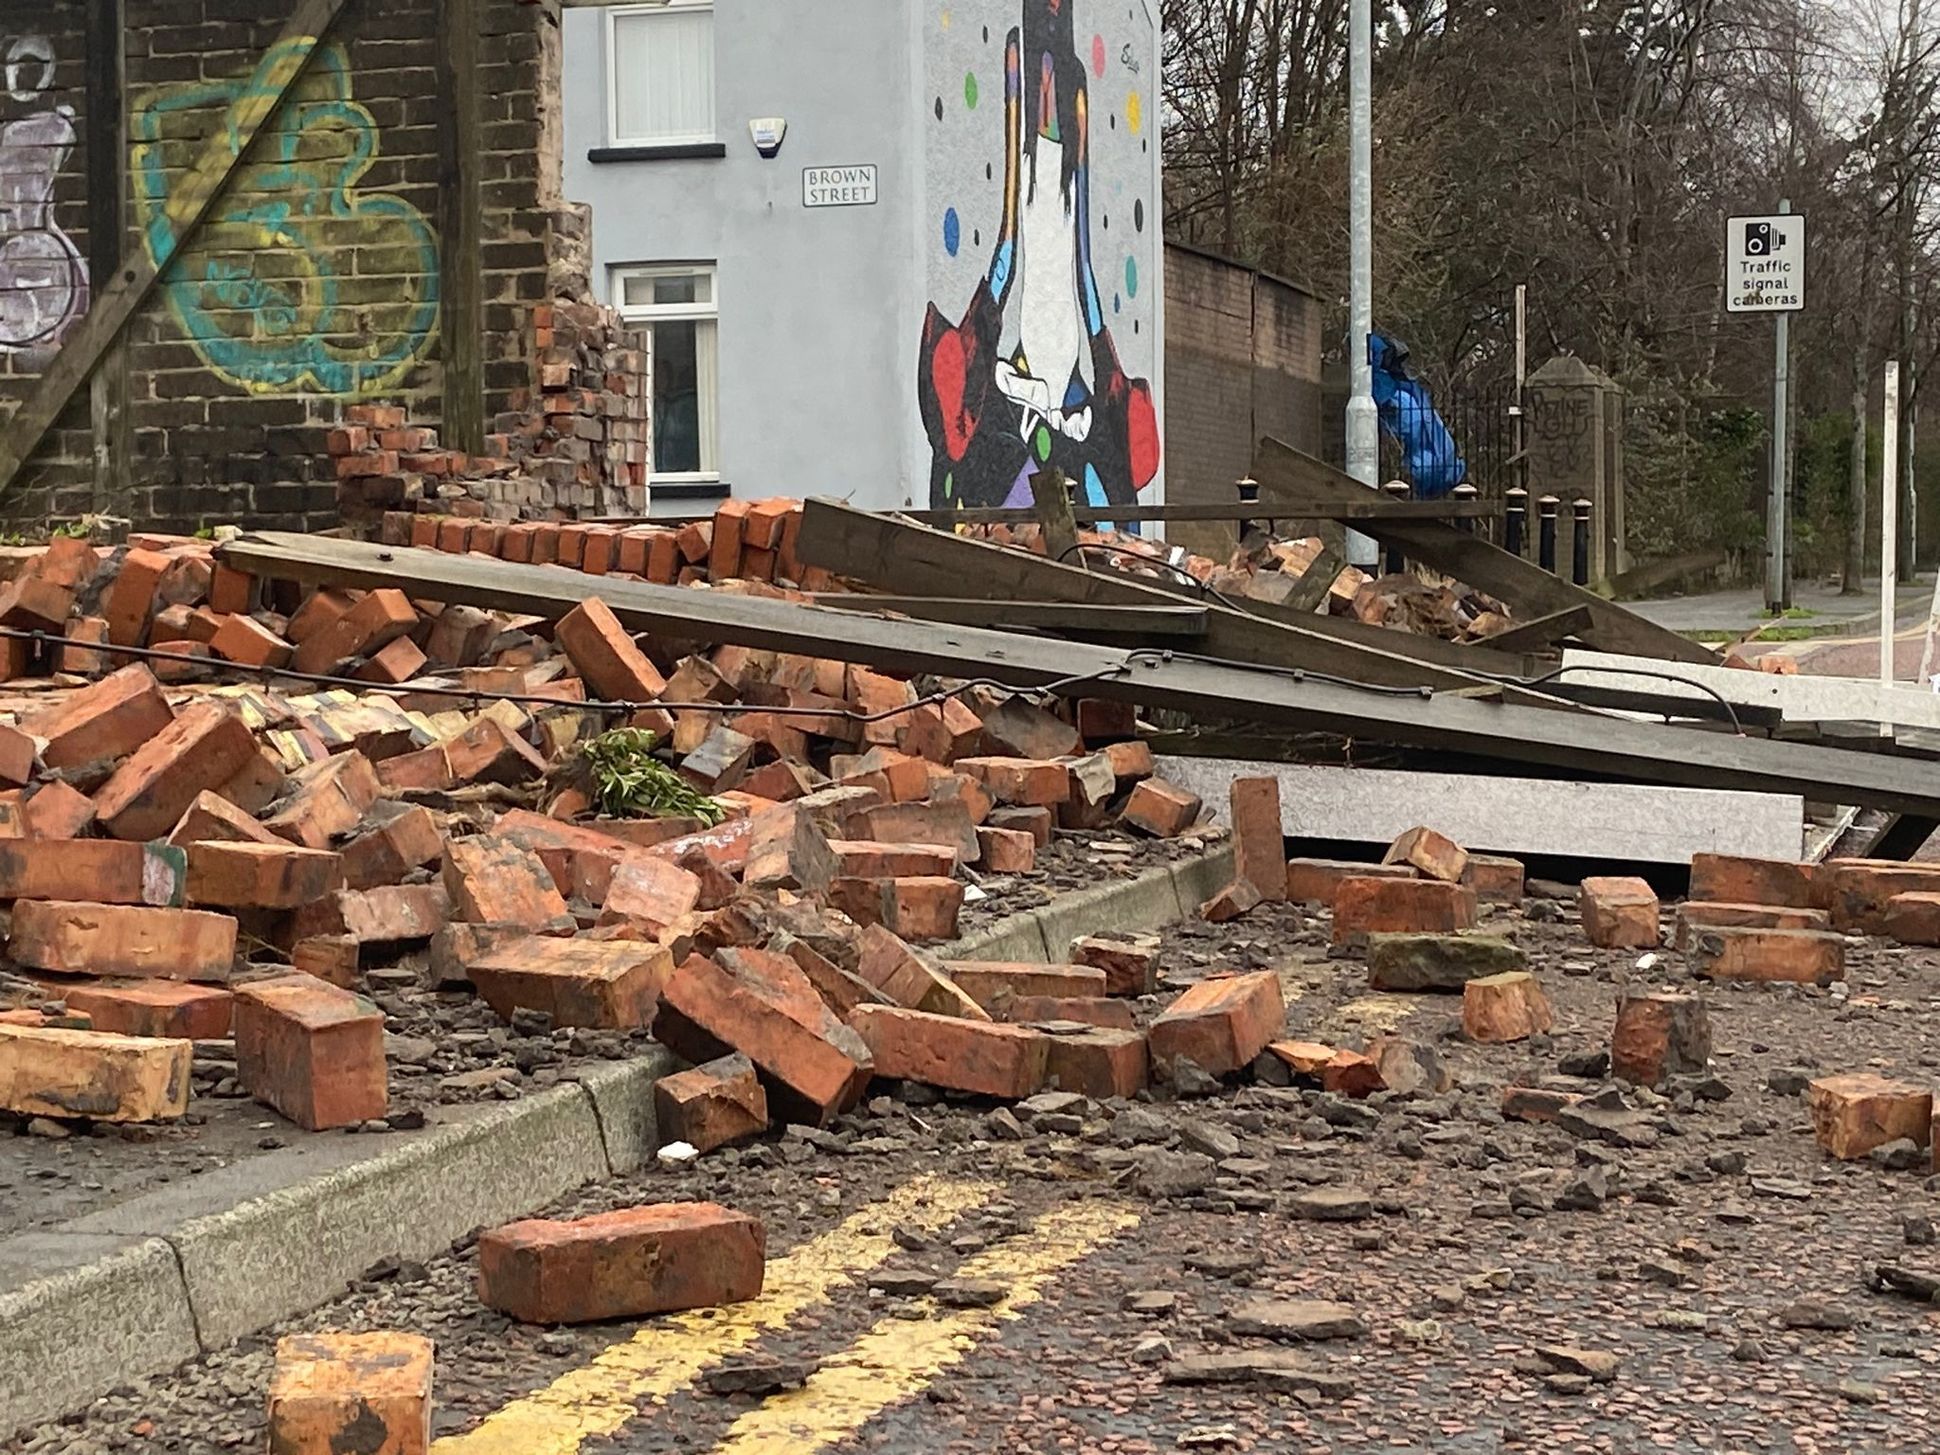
point(645, 315)
point(614, 15)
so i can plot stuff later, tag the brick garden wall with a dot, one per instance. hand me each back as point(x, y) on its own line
point(314, 285)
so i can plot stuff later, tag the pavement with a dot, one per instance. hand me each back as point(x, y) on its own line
point(1821, 610)
point(946, 1278)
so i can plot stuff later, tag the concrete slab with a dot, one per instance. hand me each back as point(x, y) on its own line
point(622, 1093)
point(1801, 699)
point(104, 1311)
point(1642, 823)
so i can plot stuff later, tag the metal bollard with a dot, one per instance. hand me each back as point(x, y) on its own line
point(1249, 494)
point(1395, 564)
point(1515, 519)
point(1580, 544)
point(1465, 494)
point(1546, 533)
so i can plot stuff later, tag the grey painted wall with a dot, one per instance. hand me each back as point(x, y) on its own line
point(823, 310)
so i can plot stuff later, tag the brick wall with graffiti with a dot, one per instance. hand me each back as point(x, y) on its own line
point(314, 283)
point(1039, 348)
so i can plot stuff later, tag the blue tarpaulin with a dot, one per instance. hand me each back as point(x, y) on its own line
point(1435, 467)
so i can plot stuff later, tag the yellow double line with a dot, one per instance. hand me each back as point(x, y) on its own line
point(893, 1360)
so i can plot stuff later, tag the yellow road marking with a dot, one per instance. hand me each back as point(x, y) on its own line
point(1381, 1012)
point(600, 1397)
point(898, 1358)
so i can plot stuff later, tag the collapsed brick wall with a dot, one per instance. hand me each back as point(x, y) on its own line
point(314, 285)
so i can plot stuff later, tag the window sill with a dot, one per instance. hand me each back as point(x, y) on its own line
point(688, 488)
point(675, 151)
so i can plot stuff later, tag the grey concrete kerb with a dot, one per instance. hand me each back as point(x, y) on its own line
point(185, 1270)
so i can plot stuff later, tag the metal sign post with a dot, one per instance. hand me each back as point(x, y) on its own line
point(1889, 518)
point(1765, 273)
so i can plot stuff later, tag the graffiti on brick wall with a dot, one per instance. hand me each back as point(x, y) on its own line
point(298, 280)
point(1040, 370)
point(43, 277)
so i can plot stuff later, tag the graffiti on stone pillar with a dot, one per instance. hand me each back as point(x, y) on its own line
point(43, 277)
point(1563, 422)
point(299, 280)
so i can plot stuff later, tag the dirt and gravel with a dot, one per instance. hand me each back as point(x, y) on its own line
point(1702, 1283)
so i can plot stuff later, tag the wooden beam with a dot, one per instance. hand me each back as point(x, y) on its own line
point(107, 173)
point(913, 560)
point(117, 298)
point(1581, 742)
point(1137, 514)
point(1051, 499)
point(1059, 617)
point(1544, 631)
point(1293, 484)
point(461, 278)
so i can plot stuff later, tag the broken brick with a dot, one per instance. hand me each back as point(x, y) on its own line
point(598, 984)
point(331, 1394)
point(312, 1051)
point(118, 939)
point(1695, 915)
point(326, 799)
point(1006, 851)
point(53, 1071)
point(1855, 1113)
point(1509, 1006)
point(1160, 809)
point(916, 907)
point(1739, 879)
point(948, 823)
point(1259, 843)
point(1349, 1073)
point(787, 850)
point(103, 721)
point(911, 978)
point(1317, 881)
point(335, 958)
point(1434, 855)
point(712, 1105)
point(1535, 1103)
point(380, 618)
point(623, 1264)
point(985, 1058)
point(164, 1009)
point(942, 732)
point(1130, 761)
point(602, 653)
point(1016, 728)
point(1231, 902)
point(650, 890)
point(1619, 912)
point(1131, 967)
point(245, 640)
point(57, 811)
point(1221, 1024)
point(815, 1067)
point(148, 794)
point(261, 876)
point(485, 752)
point(1020, 781)
point(493, 881)
point(210, 818)
point(1366, 905)
point(1102, 1062)
point(1659, 1035)
point(388, 914)
point(992, 983)
point(1494, 878)
point(1858, 892)
point(394, 662)
point(1812, 957)
point(397, 838)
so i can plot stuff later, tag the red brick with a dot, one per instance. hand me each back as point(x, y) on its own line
point(386, 915)
point(1618, 912)
point(1855, 1113)
point(1536, 1104)
point(1130, 761)
point(1221, 1024)
point(711, 1106)
point(1509, 1006)
point(261, 876)
point(395, 662)
point(167, 1009)
point(1160, 809)
point(106, 720)
point(917, 907)
point(815, 1067)
point(52, 1071)
point(57, 811)
point(1659, 1035)
point(31, 603)
point(16, 757)
point(492, 880)
point(1912, 919)
point(1704, 914)
point(724, 550)
point(485, 752)
point(982, 1057)
point(1131, 967)
point(910, 978)
point(614, 668)
point(85, 659)
point(1007, 851)
point(1858, 891)
point(213, 817)
point(68, 561)
point(243, 639)
point(599, 984)
point(397, 839)
point(257, 784)
point(1812, 957)
point(948, 824)
point(319, 611)
point(1086, 1010)
point(942, 732)
point(335, 1393)
point(695, 540)
point(101, 871)
point(116, 939)
point(231, 591)
point(1303, 1058)
point(1393, 905)
point(787, 850)
point(572, 545)
point(1259, 844)
point(1494, 878)
point(993, 983)
point(132, 596)
point(1230, 903)
point(1102, 1062)
point(1023, 781)
point(1015, 728)
point(154, 787)
point(333, 958)
point(623, 1264)
point(1434, 855)
point(1737, 879)
point(1317, 881)
point(312, 1051)
point(1349, 1073)
point(874, 859)
point(379, 619)
point(1037, 822)
point(326, 799)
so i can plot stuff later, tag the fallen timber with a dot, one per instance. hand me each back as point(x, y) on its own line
point(1583, 742)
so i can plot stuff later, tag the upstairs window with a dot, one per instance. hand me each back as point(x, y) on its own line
point(660, 81)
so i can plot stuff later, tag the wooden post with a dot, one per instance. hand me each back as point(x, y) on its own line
point(461, 283)
point(1051, 493)
point(107, 128)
